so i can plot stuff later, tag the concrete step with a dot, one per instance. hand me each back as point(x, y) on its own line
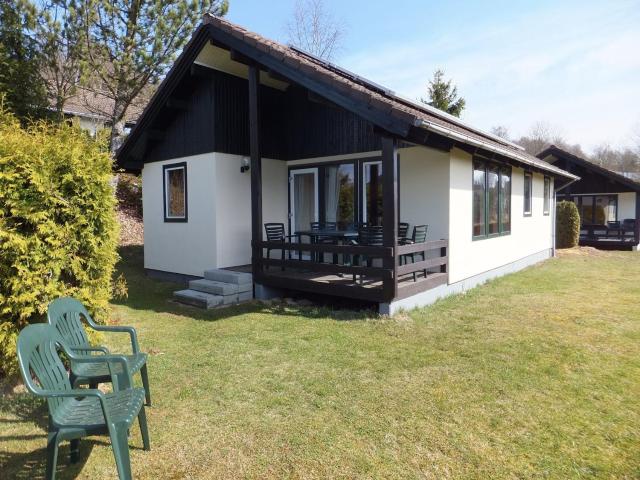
point(198, 299)
point(228, 276)
point(219, 288)
point(211, 286)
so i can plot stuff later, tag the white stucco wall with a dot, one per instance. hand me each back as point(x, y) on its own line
point(529, 235)
point(626, 205)
point(424, 190)
point(218, 231)
point(233, 205)
point(181, 247)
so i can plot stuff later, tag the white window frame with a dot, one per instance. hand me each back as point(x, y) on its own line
point(363, 193)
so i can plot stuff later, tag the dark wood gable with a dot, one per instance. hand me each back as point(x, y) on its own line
point(215, 117)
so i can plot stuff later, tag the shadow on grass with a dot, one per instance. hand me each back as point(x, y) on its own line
point(150, 294)
point(27, 408)
point(32, 412)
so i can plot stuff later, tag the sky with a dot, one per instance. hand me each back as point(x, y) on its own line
point(574, 65)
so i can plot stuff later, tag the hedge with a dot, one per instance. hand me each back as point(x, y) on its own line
point(58, 229)
point(567, 225)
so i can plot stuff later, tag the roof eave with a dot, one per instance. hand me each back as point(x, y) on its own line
point(491, 147)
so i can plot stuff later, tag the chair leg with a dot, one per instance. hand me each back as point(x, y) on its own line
point(145, 384)
point(144, 431)
point(52, 455)
point(120, 445)
point(283, 258)
point(74, 453)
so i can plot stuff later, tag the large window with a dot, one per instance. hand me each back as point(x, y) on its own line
point(597, 209)
point(528, 193)
point(175, 192)
point(491, 200)
point(547, 195)
point(339, 195)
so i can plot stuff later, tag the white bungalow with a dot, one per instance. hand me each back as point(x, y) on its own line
point(245, 132)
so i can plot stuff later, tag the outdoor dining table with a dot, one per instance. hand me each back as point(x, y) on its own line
point(341, 236)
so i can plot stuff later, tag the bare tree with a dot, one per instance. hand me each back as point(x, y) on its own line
point(314, 29)
point(500, 131)
point(540, 136)
point(624, 161)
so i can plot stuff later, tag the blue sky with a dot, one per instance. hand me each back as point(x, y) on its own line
point(572, 64)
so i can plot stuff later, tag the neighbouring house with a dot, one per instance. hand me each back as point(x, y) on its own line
point(92, 109)
point(245, 131)
point(608, 202)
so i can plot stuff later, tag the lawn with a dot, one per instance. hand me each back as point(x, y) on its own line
point(534, 375)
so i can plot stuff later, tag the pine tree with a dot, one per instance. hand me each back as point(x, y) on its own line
point(21, 85)
point(443, 95)
point(59, 35)
point(131, 44)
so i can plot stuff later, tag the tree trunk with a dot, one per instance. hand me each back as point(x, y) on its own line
point(117, 125)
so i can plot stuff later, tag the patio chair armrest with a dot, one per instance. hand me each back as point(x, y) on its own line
point(78, 392)
point(102, 349)
point(121, 329)
point(406, 241)
point(111, 360)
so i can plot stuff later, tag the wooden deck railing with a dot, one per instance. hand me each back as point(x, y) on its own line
point(380, 284)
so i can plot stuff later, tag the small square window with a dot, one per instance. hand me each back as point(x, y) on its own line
point(175, 192)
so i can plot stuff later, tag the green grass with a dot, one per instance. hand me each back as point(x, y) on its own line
point(534, 375)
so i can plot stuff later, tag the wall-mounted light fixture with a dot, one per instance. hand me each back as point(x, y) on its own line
point(246, 164)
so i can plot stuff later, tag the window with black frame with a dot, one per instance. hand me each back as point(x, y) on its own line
point(528, 193)
point(491, 200)
point(175, 192)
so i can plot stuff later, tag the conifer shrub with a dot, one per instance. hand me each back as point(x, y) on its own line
point(58, 229)
point(567, 225)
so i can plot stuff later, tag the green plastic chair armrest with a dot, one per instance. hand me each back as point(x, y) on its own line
point(75, 393)
point(110, 359)
point(120, 329)
point(102, 349)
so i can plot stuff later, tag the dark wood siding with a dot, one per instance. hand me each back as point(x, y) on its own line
point(180, 133)
point(217, 119)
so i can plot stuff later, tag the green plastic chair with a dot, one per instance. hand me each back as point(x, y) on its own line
point(65, 315)
point(77, 413)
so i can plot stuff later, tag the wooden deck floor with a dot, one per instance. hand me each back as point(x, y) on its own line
point(406, 286)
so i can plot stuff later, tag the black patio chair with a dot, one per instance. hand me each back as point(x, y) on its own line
point(403, 231)
point(370, 236)
point(325, 240)
point(276, 233)
point(419, 236)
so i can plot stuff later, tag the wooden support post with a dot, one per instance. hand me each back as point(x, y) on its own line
point(390, 212)
point(256, 169)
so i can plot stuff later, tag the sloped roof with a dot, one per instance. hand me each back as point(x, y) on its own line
point(376, 103)
point(560, 153)
point(98, 105)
